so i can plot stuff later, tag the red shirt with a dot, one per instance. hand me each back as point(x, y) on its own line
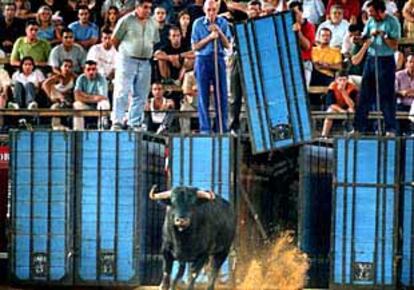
point(308, 31)
point(350, 88)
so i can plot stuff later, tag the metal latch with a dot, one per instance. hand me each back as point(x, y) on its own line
point(39, 265)
point(363, 271)
point(107, 264)
point(282, 132)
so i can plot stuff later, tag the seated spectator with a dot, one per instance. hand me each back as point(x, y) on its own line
point(30, 45)
point(172, 57)
point(326, 60)
point(351, 9)
point(160, 17)
point(59, 90)
point(313, 10)
point(23, 9)
point(111, 17)
point(85, 32)
point(27, 81)
point(123, 6)
point(104, 54)
point(91, 92)
point(337, 25)
point(404, 87)
point(10, 27)
point(158, 121)
point(408, 14)
point(184, 21)
point(5, 84)
point(47, 30)
point(341, 98)
point(354, 56)
point(67, 50)
point(189, 102)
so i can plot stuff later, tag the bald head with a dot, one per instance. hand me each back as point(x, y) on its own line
point(210, 9)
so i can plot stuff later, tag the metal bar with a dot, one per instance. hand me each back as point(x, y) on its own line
point(117, 211)
point(98, 208)
point(49, 204)
point(353, 206)
point(31, 205)
point(377, 211)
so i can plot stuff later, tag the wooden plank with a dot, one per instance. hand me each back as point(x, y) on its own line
point(318, 90)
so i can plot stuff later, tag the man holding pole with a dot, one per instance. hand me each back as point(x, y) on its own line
point(210, 36)
point(378, 80)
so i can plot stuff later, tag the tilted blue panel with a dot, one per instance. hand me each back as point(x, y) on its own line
point(42, 168)
point(203, 162)
point(273, 83)
point(407, 264)
point(365, 203)
point(107, 208)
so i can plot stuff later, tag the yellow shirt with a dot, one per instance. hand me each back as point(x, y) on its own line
point(329, 55)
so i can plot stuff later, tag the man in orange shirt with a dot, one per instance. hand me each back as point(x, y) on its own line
point(341, 98)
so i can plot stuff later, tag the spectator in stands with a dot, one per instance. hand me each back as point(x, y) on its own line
point(184, 25)
point(341, 98)
point(384, 30)
point(354, 51)
point(91, 92)
point(207, 30)
point(133, 68)
point(27, 81)
point(172, 57)
point(47, 30)
point(53, 5)
point(67, 50)
point(10, 27)
point(30, 45)
point(5, 87)
point(326, 60)
point(189, 101)
point(195, 10)
point(337, 25)
point(313, 10)
point(306, 35)
point(123, 6)
point(160, 16)
point(158, 121)
point(351, 9)
point(104, 54)
point(85, 32)
point(59, 90)
point(404, 87)
point(23, 9)
point(408, 14)
point(111, 17)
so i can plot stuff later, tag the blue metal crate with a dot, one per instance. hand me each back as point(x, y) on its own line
point(273, 82)
point(115, 222)
point(315, 202)
point(407, 264)
point(204, 162)
point(365, 213)
point(42, 204)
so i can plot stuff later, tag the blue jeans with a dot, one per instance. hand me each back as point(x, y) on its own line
point(131, 75)
point(205, 76)
point(367, 98)
point(24, 94)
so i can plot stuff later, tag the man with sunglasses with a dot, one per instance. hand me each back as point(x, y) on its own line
point(134, 36)
point(67, 50)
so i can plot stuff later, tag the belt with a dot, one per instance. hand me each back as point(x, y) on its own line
point(140, 58)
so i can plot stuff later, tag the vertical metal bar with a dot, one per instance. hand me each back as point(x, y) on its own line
point(117, 211)
point(13, 174)
point(182, 159)
point(190, 160)
point(384, 206)
point(220, 164)
point(377, 211)
point(411, 279)
point(138, 197)
point(212, 165)
point(353, 205)
point(49, 203)
point(31, 202)
point(345, 213)
point(71, 195)
point(333, 215)
point(98, 207)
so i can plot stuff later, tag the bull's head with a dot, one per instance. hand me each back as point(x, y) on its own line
point(182, 200)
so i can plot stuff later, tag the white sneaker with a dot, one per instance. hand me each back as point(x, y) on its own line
point(60, 128)
point(14, 106)
point(32, 106)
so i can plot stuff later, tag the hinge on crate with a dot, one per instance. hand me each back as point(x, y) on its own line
point(39, 265)
point(107, 263)
point(282, 132)
point(363, 271)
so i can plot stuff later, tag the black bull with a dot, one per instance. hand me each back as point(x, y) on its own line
point(198, 226)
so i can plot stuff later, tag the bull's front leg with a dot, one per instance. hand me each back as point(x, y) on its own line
point(196, 267)
point(167, 268)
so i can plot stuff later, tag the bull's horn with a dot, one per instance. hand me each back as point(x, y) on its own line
point(206, 194)
point(160, 195)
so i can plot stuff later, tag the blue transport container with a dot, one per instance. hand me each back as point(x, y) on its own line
point(314, 210)
point(365, 212)
point(41, 247)
point(273, 82)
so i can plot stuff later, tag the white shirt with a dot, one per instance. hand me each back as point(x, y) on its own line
point(5, 80)
point(339, 31)
point(104, 58)
point(313, 10)
point(36, 77)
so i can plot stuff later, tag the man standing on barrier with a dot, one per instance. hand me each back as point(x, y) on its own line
point(210, 36)
point(134, 36)
point(378, 80)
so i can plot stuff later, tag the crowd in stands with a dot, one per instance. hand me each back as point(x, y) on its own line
point(166, 55)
